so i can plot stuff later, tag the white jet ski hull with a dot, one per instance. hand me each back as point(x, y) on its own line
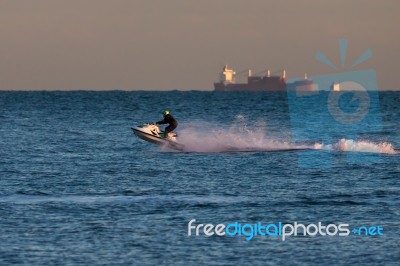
point(152, 133)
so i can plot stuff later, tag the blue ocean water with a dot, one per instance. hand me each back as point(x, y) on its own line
point(77, 187)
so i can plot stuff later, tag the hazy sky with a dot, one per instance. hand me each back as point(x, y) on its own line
point(171, 44)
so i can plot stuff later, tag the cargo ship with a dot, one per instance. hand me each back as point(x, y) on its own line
point(254, 83)
point(302, 85)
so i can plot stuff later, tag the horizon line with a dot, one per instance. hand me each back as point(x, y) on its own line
point(144, 90)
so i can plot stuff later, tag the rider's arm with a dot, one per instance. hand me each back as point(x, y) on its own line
point(161, 122)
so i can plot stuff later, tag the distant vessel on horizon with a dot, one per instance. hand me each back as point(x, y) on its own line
point(267, 82)
point(302, 85)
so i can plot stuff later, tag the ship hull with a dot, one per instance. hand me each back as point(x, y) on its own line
point(275, 84)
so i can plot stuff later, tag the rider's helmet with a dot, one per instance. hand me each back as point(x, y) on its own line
point(165, 112)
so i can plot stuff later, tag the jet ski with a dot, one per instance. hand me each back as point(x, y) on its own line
point(153, 134)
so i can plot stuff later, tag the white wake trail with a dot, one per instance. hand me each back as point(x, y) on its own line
point(350, 145)
point(204, 137)
point(209, 137)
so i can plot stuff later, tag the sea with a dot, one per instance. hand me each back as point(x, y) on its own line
point(259, 182)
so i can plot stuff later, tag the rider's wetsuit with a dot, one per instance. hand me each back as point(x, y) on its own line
point(168, 119)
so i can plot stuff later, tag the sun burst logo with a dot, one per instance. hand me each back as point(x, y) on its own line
point(337, 105)
point(343, 50)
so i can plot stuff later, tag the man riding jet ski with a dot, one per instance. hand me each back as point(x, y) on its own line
point(168, 119)
point(152, 133)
